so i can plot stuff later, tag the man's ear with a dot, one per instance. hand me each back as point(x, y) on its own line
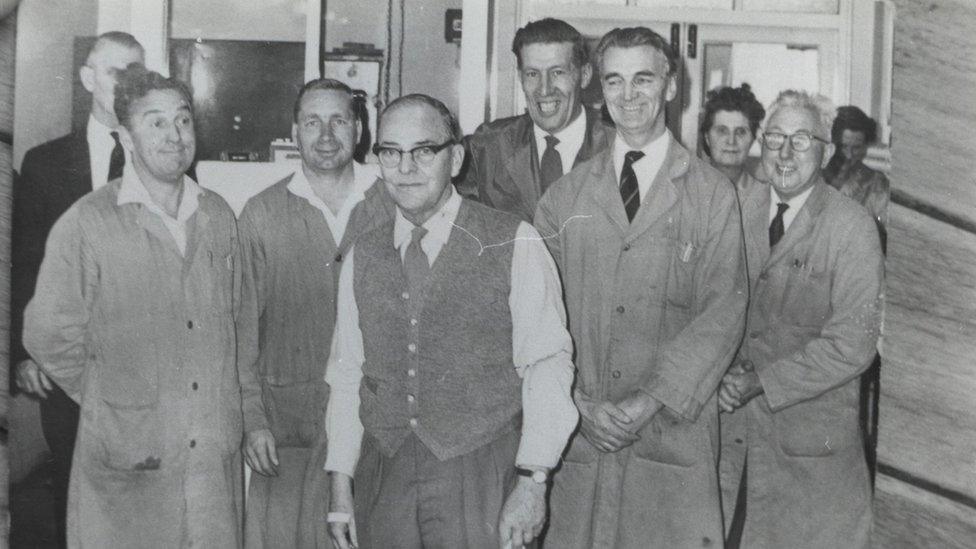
point(586, 74)
point(457, 159)
point(87, 75)
point(294, 133)
point(829, 150)
point(672, 87)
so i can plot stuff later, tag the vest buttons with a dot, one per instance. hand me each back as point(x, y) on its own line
point(411, 398)
point(413, 422)
point(412, 348)
point(616, 374)
point(195, 386)
point(620, 309)
point(189, 324)
point(413, 321)
point(193, 443)
point(412, 373)
point(405, 295)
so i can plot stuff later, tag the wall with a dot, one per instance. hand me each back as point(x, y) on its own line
point(42, 100)
point(8, 30)
point(926, 489)
point(275, 20)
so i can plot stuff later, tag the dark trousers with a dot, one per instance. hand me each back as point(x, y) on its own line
point(59, 422)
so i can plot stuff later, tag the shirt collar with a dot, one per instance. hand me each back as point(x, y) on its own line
point(570, 138)
point(796, 204)
point(438, 227)
point(97, 130)
point(132, 191)
point(363, 178)
point(654, 152)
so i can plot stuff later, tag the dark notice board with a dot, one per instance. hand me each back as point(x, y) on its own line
point(243, 92)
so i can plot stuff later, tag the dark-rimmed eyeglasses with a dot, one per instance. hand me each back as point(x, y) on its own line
point(799, 142)
point(423, 155)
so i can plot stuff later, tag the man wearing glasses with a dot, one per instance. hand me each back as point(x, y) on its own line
point(816, 271)
point(451, 366)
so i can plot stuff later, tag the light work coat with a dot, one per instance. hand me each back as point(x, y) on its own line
point(812, 329)
point(656, 305)
point(144, 340)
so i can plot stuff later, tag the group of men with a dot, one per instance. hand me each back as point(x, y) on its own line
point(390, 355)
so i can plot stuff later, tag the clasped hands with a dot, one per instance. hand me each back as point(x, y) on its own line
point(739, 385)
point(611, 426)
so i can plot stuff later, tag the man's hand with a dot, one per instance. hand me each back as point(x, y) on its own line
point(523, 515)
point(739, 386)
point(641, 407)
point(31, 380)
point(260, 452)
point(604, 424)
point(343, 533)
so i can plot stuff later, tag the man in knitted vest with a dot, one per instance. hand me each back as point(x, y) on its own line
point(451, 366)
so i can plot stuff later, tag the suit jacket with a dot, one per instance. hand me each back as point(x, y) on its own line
point(656, 304)
point(812, 329)
point(502, 165)
point(52, 177)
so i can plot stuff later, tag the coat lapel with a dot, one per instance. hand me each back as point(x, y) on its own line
point(664, 191)
point(80, 165)
point(802, 224)
point(605, 193)
point(519, 152)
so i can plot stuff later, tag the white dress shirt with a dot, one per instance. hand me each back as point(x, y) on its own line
point(647, 167)
point(132, 191)
point(100, 145)
point(364, 175)
point(570, 141)
point(541, 347)
point(796, 204)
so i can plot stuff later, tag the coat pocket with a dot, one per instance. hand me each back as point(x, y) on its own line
point(672, 440)
point(806, 297)
point(297, 412)
point(131, 437)
point(816, 428)
point(681, 274)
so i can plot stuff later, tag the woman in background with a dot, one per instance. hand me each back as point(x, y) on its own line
point(852, 132)
point(729, 124)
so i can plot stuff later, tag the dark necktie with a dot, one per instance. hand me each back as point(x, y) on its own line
point(629, 192)
point(117, 162)
point(776, 229)
point(415, 261)
point(551, 164)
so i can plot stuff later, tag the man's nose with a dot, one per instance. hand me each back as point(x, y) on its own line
point(406, 165)
point(786, 151)
point(628, 92)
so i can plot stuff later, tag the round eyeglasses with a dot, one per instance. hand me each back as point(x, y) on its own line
point(423, 155)
point(799, 142)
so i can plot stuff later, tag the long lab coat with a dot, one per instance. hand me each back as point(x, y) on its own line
point(656, 304)
point(144, 340)
point(812, 330)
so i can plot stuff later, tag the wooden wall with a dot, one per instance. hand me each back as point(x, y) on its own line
point(8, 25)
point(926, 489)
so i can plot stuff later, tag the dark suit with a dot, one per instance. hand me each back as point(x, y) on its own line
point(502, 165)
point(52, 177)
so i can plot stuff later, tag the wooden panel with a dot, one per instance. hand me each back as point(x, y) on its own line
point(907, 517)
point(933, 107)
point(927, 380)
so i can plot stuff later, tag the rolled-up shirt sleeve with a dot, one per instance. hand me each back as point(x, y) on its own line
point(344, 373)
point(542, 351)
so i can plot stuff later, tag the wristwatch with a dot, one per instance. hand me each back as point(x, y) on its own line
point(537, 476)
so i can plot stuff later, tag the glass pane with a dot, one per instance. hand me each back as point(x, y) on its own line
point(799, 6)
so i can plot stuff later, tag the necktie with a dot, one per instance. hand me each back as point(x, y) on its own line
point(117, 161)
point(776, 229)
point(415, 261)
point(551, 164)
point(628, 184)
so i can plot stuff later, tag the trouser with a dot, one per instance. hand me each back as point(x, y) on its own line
point(413, 500)
point(59, 423)
point(289, 510)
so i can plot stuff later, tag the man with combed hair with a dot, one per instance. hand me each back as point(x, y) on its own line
point(512, 161)
point(648, 242)
point(293, 239)
point(451, 366)
point(816, 271)
point(52, 177)
point(133, 319)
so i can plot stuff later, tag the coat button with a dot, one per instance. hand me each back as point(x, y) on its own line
point(193, 443)
point(764, 276)
point(405, 295)
point(410, 398)
point(754, 335)
point(616, 374)
point(189, 324)
point(195, 386)
point(738, 441)
point(413, 321)
point(413, 422)
point(626, 247)
point(620, 309)
point(412, 348)
point(412, 373)
point(706, 542)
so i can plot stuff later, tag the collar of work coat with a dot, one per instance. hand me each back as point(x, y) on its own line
point(519, 150)
point(663, 194)
point(755, 205)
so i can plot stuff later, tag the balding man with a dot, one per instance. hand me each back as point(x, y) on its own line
point(451, 353)
point(52, 177)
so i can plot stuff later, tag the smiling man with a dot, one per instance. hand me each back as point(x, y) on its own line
point(133, 319)
point(293, 238)
point(648, 242)
point(512, 161)
point(451, 366)
point(816, 268)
